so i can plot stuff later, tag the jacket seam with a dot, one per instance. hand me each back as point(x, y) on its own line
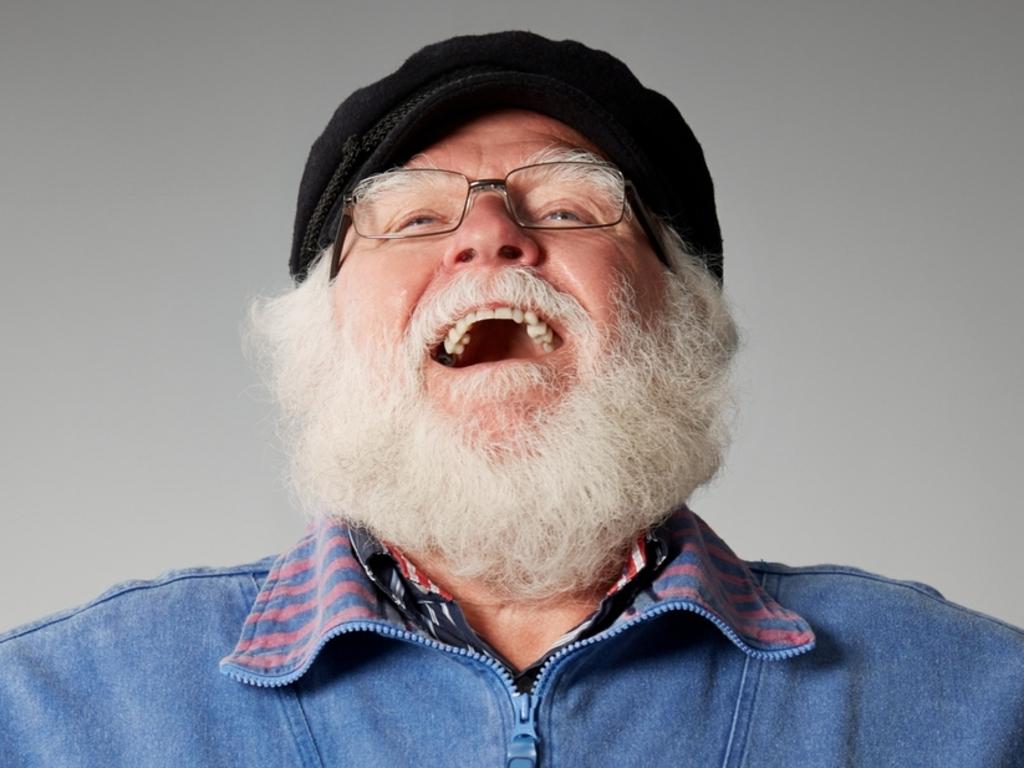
point(750, 715)
point(736, 711)
point(756, 685)
point(310, 755)
point(778, 569)
point(920, 589)
point(117, 592)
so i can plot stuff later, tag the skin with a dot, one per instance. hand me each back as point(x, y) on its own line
point(381, 283)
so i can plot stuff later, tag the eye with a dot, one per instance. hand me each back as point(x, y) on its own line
point(541, 209)
point(562, 215)
point(415, 220)
point(419, 220)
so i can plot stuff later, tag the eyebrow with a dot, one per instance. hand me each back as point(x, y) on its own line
point(552, 153)
point(555, 153)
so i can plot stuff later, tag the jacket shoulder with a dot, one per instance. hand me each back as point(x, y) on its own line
point(132, 677)
point(139, 601)
point(841, 596)
point(904, 675)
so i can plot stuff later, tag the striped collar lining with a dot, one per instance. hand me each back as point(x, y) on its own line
point(365, 546)
point(318, 587)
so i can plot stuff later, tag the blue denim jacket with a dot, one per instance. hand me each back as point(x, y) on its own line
point(706, 669)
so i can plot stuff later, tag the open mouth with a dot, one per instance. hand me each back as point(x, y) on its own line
point(496, 334)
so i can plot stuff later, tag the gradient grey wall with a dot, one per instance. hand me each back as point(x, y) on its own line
point(868, 166)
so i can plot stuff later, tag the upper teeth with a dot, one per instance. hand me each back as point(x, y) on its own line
point(458, 337)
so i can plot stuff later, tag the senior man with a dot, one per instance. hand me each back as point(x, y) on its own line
point(503, 372)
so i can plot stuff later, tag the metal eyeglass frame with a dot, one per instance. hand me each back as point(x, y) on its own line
point(630, 198)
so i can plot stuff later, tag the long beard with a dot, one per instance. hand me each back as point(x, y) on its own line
point(545, 500)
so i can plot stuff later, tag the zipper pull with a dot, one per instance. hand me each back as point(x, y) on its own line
point(522, 749)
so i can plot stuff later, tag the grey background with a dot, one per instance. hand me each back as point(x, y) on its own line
point(868, 166)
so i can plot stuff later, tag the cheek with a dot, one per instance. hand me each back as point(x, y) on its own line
point(595, 274)
point(648, 280)
point(374, 297)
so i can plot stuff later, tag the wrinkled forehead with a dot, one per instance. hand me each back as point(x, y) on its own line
point(494, 142)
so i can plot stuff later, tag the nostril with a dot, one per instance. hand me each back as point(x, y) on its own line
point(510, 252)
point(467, 255)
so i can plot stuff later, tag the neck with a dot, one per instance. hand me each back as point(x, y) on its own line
point(520, 630)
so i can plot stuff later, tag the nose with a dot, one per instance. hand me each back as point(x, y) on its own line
point(488, 236)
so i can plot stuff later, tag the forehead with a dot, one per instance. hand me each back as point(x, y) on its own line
point(496, 142)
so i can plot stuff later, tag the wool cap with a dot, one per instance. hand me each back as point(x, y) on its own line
point(383, 124)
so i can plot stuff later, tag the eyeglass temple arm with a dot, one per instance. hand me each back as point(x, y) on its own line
point(339, 241)
point(647, 224)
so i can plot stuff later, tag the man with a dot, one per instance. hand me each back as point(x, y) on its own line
point(503, 372)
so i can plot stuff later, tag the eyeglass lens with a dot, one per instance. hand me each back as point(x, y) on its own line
point(559, 195)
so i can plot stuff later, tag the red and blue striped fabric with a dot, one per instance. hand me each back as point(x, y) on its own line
point(707, 574)
point(318, 589)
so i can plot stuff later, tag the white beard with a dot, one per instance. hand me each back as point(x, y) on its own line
point(550, 501)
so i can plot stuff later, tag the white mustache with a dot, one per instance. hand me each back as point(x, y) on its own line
point(515, 286)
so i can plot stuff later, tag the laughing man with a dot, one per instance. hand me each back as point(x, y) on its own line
point(503, 371)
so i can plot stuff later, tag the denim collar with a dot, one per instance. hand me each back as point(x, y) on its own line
point(318, 589)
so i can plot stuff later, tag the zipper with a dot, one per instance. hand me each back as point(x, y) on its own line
point(523, 747)
point(541, 681)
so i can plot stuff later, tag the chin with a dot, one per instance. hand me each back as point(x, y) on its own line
point(499, 407)
point(515, 386)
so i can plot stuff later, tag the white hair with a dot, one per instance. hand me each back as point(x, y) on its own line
point(550, 505)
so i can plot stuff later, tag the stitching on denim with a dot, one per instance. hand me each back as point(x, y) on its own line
point(975, 614)
point(312, 748)
point(736, 711)
point(779, 569)
point(923, 589)
point(751, 707)
point(123, 589)
point(750, 714)
point(298, 727)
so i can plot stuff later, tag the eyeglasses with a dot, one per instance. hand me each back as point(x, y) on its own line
point(420, 202)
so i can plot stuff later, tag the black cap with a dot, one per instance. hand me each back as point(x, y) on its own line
point(383, 124)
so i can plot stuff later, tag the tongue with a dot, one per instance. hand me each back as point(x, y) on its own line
point(495, 340)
